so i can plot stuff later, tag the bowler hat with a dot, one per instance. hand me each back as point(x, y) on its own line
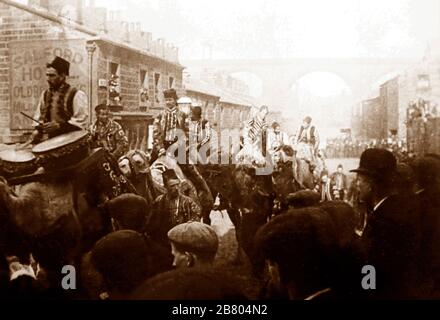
point(60, 65)
point(376, 163)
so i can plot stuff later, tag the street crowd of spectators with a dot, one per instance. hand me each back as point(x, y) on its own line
point(352, 148)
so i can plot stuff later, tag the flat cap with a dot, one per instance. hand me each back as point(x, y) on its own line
point(303, 198)
point(194, 237)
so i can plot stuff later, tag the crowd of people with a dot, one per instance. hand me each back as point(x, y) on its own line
point(158, 242)
point(348, 147)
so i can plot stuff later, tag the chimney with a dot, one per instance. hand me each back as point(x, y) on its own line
point(68, 9)
point(125, 31)
point(161, 47)
point(149, 41)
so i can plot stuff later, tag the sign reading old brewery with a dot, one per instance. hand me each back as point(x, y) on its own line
point(28, 73)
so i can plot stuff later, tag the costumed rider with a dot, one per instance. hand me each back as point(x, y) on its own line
point(62, 108)
point(167, 125)
point(276, 139)
point(107, 133)
point(254, 140)
point(199, 133)
point(307, 142)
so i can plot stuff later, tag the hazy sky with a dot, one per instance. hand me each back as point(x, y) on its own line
point(280, 28)
point(240, 29)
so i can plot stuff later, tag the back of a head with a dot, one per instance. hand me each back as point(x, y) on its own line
point(404, 178)
point(197, 238)
point(190, 284)
point(303, 243)
point(131, 211)
point(427, 172)
point(344, 220)
point(123, 259)
point(303, 199)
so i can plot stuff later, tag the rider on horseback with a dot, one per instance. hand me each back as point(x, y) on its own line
point(254, 140)
point(308, 142)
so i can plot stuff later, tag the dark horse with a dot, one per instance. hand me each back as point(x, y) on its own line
point(59, 218)
point(284, 180)
point(247, 197)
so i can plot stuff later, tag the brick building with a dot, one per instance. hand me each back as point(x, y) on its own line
point(32, 33)
point(389, 96)
point(367, 119)
point(224, 109)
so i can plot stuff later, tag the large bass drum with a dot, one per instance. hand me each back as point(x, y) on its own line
point(15, 163)
point(63, 151)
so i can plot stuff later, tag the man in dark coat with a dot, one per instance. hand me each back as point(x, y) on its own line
point(427, 174)
point(299, 248)
point(339, 183)
point(171, 209)
point(391, 238)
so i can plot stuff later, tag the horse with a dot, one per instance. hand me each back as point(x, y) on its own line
point(255, 201)
point(305, 166)
point(58, 218)
point(284, 179)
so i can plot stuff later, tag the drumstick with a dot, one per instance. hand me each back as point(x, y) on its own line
point(29, 117)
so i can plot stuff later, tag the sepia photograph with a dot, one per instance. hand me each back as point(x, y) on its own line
point(237, 151)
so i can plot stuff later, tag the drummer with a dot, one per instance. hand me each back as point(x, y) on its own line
point(61, 108)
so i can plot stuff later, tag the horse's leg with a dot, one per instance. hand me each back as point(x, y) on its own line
point(251, 222)
point(235, 217)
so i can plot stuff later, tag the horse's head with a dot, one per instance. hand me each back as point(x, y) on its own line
point(244, 177)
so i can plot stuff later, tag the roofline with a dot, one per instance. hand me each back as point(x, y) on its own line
point(50, 16)
point(95, 36)
point(202, 92)
point(132, 48)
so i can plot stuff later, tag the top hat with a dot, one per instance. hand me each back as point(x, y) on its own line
point(60, 65)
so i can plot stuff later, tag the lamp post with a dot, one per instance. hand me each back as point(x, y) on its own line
point(90, 47)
